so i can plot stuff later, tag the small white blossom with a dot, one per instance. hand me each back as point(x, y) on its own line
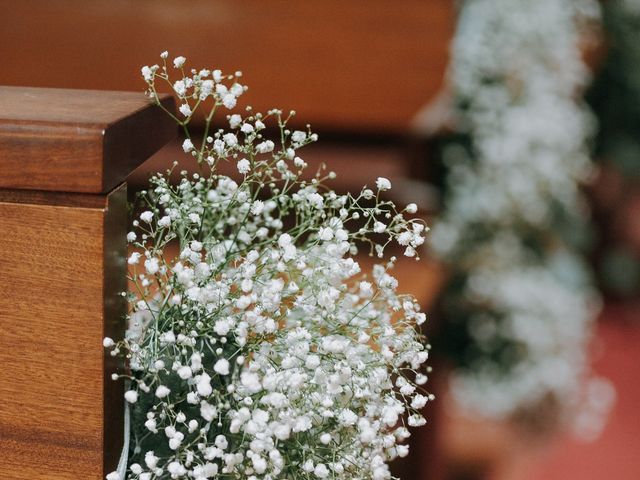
point(383, 184)
point(131, 396)
point(321, 471)
point(165, 221)
point(187, 145)
point(257, 207)
point(325, 233)
point(184, 372)
point(207, 411)
point(235, 120)
point(221, 367)
point(185, 110)
point(162, 391)
point(147, 73)
point(379, 227)
point(230, 139)
point(244, 166)
point(229, 100)
point(146, 216)
point(237, 89)
point(204, 385)
point(150, 460)
point(179, 62)
point(265, 147)
point(152, 266)
point(298, 136)
point(180, 88)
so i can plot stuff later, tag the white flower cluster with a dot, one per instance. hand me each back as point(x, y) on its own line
point(520, 290)
point(261, 351)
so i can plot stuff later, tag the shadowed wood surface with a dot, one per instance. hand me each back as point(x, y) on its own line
point(353, 65)
point(76, 140)
point(61, 268)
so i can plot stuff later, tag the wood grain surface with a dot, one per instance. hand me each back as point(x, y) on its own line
point(76, 140)
point(343, 65)
point(62, 264)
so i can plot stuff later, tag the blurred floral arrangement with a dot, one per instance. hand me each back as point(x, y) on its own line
point(615, 98)
point(520, 303)
point(261, 351)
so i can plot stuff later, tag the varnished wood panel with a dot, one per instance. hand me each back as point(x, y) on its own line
point(61, 268)
point(357, 65)
point(76, 140)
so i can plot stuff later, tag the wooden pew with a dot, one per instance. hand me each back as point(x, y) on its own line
point(64, 155)
point(363, 66)
point(357, 71)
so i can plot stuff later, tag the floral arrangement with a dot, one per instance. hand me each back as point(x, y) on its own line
point(519, 302)
point(260, 350)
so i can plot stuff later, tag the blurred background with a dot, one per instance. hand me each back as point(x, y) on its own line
point(515, 127)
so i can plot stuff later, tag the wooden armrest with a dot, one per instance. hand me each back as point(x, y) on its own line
point(77, 140)
point(63, 220)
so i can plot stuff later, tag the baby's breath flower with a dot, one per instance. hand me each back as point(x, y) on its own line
point(235, 120)
point(222, 366)
point(164, 221)
point(147, 73)
point(383, 184)
point(180, 88)
point(230, 139)
point(187, 145)
point(229, 100)
point(411, 208)
point(265, 147)
point(146, 216)
point(131, 396)
point(152, 265)
point(185, 109)
point(134, 258)
point(162, 391)
point(261, 350)
point(298, 136)
point(379, 227)
point(257, 207)
point(178, 62)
